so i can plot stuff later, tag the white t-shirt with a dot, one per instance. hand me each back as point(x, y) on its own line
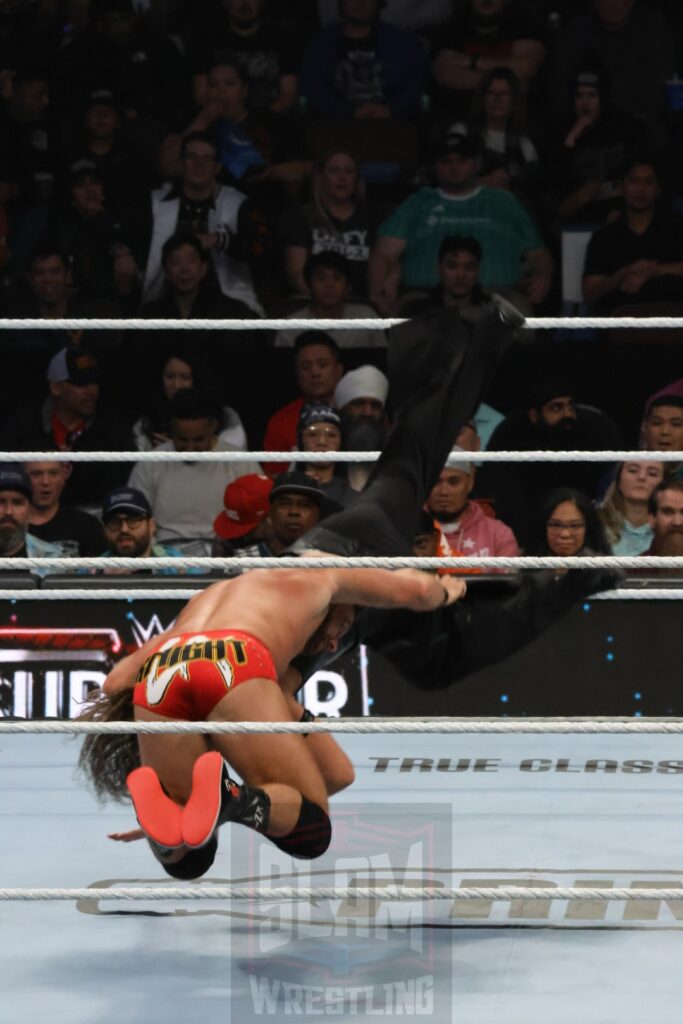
point(187, 496)
point(360, 338)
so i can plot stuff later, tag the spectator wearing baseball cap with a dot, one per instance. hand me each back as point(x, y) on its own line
point(465, 527)
point(72, 419)
point(244, 521)
point(129, 530)
point(49, 291)
point(297, 504)
point(320, 430)
point(15, 498)
point(407, 248)
point(113, 144)
point(90, 229)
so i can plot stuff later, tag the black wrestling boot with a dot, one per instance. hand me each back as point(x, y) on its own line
point(216, 799)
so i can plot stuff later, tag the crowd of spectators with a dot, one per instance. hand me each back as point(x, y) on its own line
point(345, 159)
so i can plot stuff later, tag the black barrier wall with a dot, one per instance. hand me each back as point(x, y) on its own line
point(605, 658)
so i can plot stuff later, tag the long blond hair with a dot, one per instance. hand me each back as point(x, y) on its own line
point(612, 510)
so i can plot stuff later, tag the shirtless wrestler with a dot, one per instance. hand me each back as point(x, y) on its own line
point(223, 661)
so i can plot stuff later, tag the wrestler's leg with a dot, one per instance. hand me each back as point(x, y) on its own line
point(334, 765)
point(283, 793)
point(282, 765)
point(449, 362)
point(171, 759)
point(279, 764)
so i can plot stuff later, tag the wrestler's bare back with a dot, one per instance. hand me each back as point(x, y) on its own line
point(283, 608)
point(280, 608)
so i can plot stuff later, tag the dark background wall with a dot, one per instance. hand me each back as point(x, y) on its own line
point(605, 658)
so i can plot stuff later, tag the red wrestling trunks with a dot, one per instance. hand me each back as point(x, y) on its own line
point(191, 672)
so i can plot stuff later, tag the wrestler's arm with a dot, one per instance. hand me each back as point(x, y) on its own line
point(124, 672)
point(406, 588)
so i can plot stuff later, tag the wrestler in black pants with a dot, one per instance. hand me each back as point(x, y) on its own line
point(439, 365)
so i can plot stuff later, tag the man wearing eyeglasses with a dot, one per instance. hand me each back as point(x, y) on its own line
point(223, 219)
point(129, 531)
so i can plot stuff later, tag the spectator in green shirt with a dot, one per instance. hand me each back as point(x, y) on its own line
point(406, 253)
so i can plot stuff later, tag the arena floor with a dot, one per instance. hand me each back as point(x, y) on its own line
point(574, 810)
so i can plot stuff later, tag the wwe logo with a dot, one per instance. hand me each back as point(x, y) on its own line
point(142, 633)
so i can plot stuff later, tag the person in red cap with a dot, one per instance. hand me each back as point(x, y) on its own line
point(244, 522)
point(266, 516)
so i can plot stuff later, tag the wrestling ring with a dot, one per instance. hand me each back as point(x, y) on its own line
point(485, 871)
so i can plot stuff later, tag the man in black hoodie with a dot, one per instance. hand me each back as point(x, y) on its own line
point(551, 420)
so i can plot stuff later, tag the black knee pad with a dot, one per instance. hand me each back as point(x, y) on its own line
point(311, 835)
point(195, 862)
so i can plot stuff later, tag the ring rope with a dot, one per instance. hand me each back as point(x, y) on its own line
point(160, 455)
point(455, 562)
point(179, 594)
point(526, 726)
point(575, 323)
point(395, 893)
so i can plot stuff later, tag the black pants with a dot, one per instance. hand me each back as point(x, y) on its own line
point(438, 367)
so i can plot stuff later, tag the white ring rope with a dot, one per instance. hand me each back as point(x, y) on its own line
point(526, 726)
point(368, 893)
point(176, 594)
point(161, 455)
point(330, 562)
point(575, 323)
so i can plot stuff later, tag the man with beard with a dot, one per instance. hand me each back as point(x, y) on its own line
point(129, 531)
point(666, 518)
point(15, 510)
point(360, 397)
point(465, 528)
point(551, 421)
